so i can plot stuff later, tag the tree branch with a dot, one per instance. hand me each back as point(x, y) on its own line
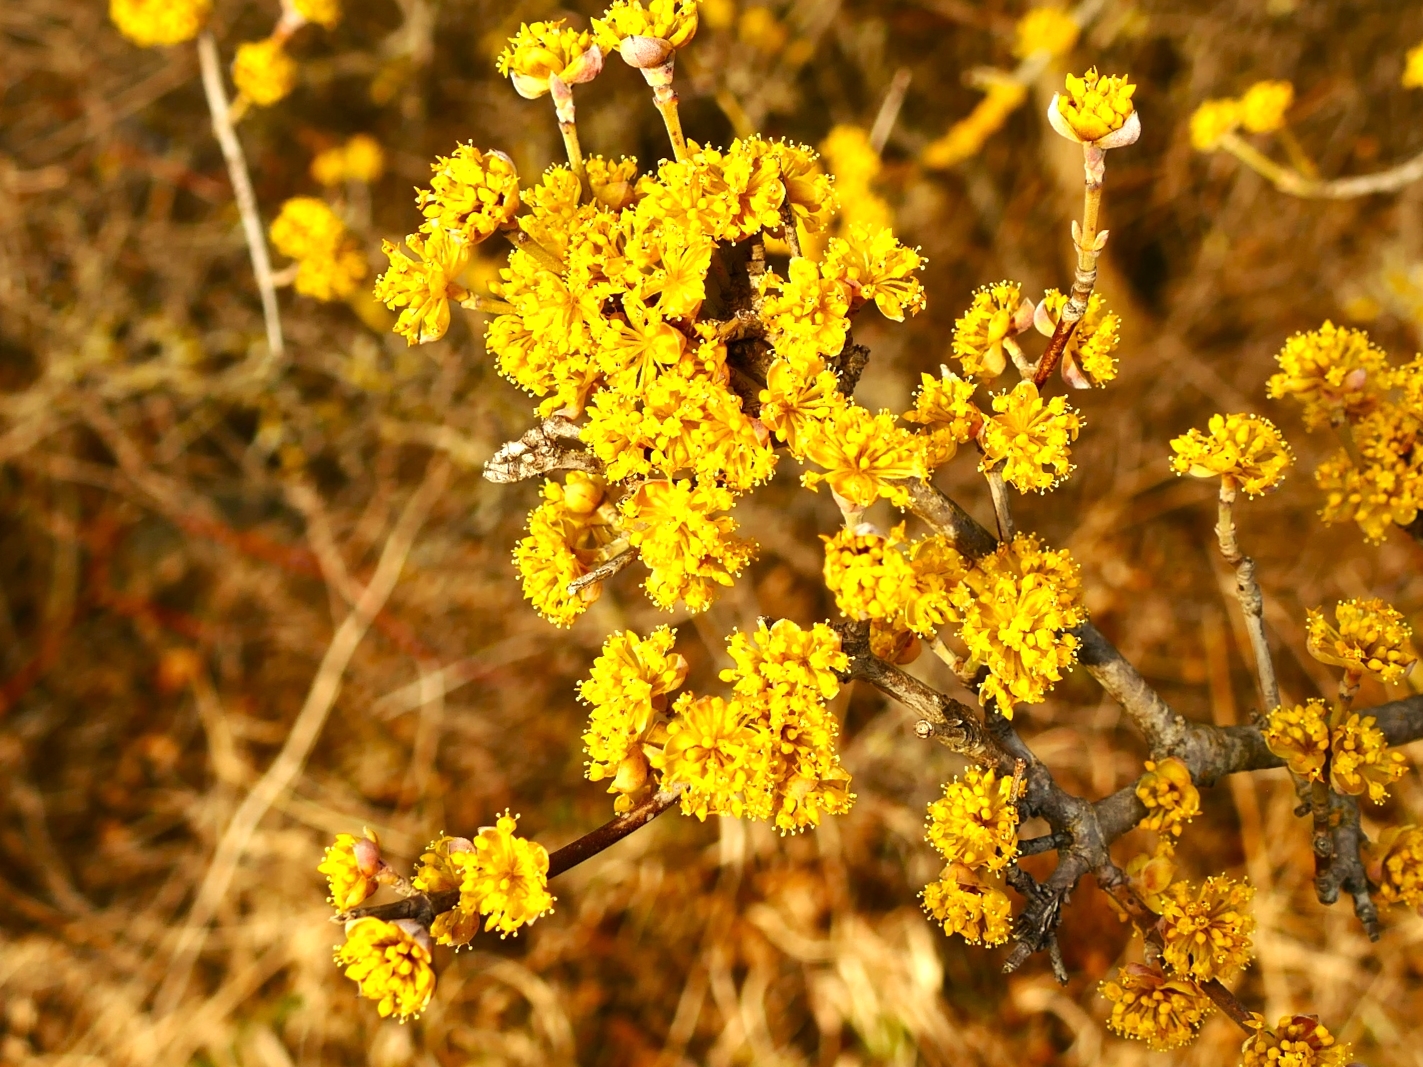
point(551, 446)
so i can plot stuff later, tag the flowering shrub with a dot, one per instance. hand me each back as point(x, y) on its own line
point(685, 328)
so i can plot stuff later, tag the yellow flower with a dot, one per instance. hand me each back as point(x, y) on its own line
point(809, 191)
point(944, 407)
point(966, 138)
point(711, 749)
point(263, 72)
point(1300, 736)
point(864, 456)
point(633, 352)
point(975, 822)
point(543, 51)
point(872, 579)
point(684, 424)
point(330, 263)
point(853, 160)
point(1245, 448)
point(390, 962)
point(1211, 121)
point(1096, 111)
point(159, 22)
point(1388, 489)
point(360, 159)
point(783, 675)
point(1371, 636)
point(325, 13)
point(628, 688)
point(568, 536)
point(689, 551)
point(1016, 604)
point(472, 194)
point(351, 866)
point(504, 877)
point(1092, 343)
point(1360, 759)
point(1263, 107)
point(1045, 29)
point(1149, 1006)
point(984, 332)
point(877, 267)
point(796, 402)
point(1335, 372)
point(1412, 67)
point(807, 314)
point(423, 286)
point(614, 185)
point(1206, 934)
point(979, 914)
point(1395, 864)
point(437, 871)
point(672, 22)
point(1171, 798)
point(1298, 1041)
point(1031, 436)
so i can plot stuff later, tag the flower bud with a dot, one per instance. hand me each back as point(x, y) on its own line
point(632, 774)
point(585, 68)
point(644, 53)
point(418, 933)
point(367, 853)
point(582, 493)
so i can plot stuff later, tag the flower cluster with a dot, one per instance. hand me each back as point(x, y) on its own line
point(263, 71)
point(628, 688)
point(882, 578)
point(1170, 797)
point(1096, 111)
point(1016, 605)
point(150, 23)
point(945, 409)
point(979, 913)
point(1261, 109)
point(1310, 738)
point(1206, 933)
point(983, 335)
point(359, 159)
point(975, 822)
point(329, 261)
point(1030, 437)
point(1152, 1006)
point(352, 866)
point(1343, 380)
point(390, 962)
point(570, 533)
point(501, 877)
point(1247, 449)
point(1371, 636)
point(1297, 1041)
point(1395, 864)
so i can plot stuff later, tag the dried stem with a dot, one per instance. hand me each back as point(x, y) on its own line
point(305, 731)
point(246, 199)
point(569, 130)
point(789, 230)
point(1247, 591)
point(1291, 181)
point(889, 107)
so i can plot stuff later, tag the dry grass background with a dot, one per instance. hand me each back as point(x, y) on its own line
point(182, 520)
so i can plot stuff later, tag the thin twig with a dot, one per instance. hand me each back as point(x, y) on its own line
point(999, 491)
point(889, 109)
point(1291, 181)
point(242, 190)
point(1247, 591)
point(303, 736)
point(602, 572)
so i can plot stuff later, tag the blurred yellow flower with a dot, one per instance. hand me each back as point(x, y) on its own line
point(324, 13)
point(263, 72)
point(159, 22)
point(1212, 120)
point(1045, 29)
point(1263, 107)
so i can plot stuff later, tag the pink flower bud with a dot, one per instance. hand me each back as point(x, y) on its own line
point(367, 853)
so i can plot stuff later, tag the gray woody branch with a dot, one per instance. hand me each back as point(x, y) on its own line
point(553, 445)
point(1083, 832)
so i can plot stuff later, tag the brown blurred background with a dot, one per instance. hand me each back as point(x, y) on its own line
point(170, 498)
